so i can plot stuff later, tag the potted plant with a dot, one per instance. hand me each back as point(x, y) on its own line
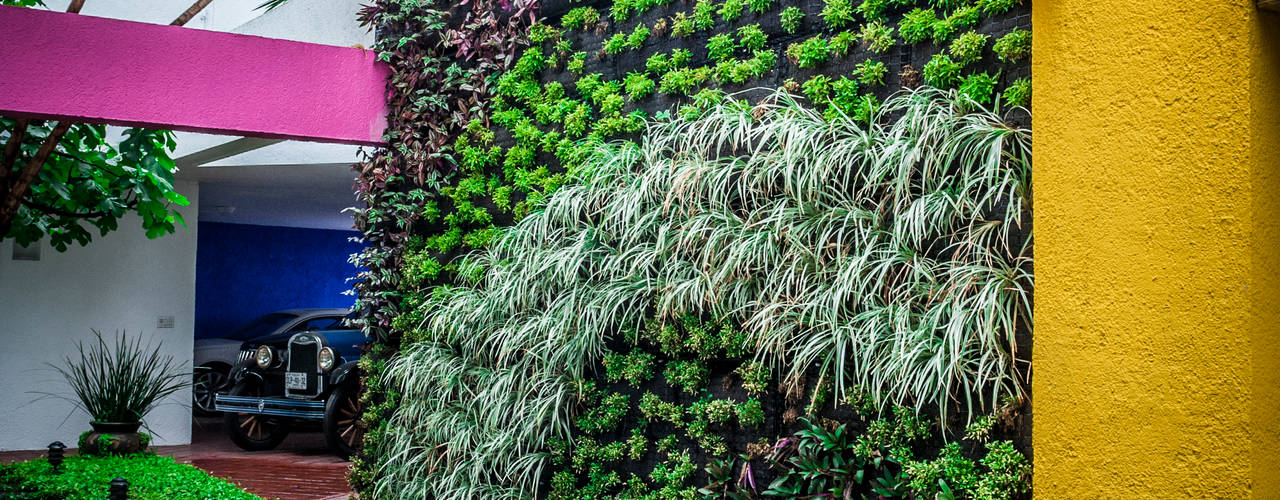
point(117, 384)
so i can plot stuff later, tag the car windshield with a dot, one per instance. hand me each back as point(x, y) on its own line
point(259, 326)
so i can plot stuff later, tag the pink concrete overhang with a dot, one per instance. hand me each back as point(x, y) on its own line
point(55, 65)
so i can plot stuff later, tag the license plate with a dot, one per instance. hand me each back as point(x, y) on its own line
point(295, 380)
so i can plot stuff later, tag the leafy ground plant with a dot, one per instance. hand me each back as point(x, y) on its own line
point(151, 477)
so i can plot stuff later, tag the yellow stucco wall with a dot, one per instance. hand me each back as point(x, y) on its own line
point(1156, 354)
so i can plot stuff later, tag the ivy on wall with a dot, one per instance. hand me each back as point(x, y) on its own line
point(494, 113)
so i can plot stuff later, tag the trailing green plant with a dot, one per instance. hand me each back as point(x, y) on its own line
point(682, 25)
point(690, 376)
point(580, 18)
point(752, 38)
point(615, 44)
point(810, 53)
point(871, 72)
point(791, 18)
point(841, 43)
point(917, 26)
point(637, 37)
point(759, 6)
point(874, 10)
point(638, 86)
point(122, 380)
point(902, 273)
point(720, 47)
point(877, 37)
point(967, 48)
point(941, 71)
point(837, 13)
point(731, 10)
point(978, 87)
point(1018, 93)
point(704, 15)
point(996, 7)
point(1013, 46)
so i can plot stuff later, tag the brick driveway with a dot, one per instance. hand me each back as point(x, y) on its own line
point(300, 469)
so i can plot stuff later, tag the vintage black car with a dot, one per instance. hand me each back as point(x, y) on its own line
point(295, 381)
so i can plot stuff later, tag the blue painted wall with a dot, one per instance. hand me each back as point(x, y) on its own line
point(243, 271)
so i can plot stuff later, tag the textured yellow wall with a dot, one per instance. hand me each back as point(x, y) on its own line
point(1265, 330)
point(1156, 354)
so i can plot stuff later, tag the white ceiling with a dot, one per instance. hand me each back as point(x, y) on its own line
point(310, 195)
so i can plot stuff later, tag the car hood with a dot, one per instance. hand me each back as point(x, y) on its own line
point(344, 341)
point(206, 344)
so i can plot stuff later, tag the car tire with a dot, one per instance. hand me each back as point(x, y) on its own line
point(207, 382)
point(253, 432)
point(342, 420)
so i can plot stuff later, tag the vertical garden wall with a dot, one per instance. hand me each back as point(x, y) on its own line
point(711, 249)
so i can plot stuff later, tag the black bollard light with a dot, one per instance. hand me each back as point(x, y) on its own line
point(119, 489)
point(55, 454)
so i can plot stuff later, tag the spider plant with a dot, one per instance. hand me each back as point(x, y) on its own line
point(121, 380)
point(891, 255)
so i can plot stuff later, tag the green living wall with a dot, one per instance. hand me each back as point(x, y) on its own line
point(732, 249)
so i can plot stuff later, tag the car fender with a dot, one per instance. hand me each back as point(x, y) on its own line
point(341, 373)
point(240, 373)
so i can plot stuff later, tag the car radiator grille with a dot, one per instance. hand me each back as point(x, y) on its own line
point(302, 359)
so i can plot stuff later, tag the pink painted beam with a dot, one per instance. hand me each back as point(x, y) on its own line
point(55, 65)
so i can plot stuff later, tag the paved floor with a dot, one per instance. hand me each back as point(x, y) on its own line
point(302, 468)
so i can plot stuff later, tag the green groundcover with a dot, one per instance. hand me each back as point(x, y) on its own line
point(150, 477)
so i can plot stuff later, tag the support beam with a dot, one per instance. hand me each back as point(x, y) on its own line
point(81, 68)
point(224, 150)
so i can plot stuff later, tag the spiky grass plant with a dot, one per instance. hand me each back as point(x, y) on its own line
point(889, 255)
point(122, 380)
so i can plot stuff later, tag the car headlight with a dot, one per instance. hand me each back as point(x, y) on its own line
point(326, 359)
point(264, 356)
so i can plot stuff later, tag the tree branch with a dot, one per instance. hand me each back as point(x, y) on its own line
point(11, 149)
point(17, 189)
point(191, 12)
point(75, 6)
point(35, 205)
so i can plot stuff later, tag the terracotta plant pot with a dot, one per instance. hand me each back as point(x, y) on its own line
point(113, 438)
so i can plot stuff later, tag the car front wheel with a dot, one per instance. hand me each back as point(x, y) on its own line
point(251, 431)
point(208, 381)
point(341, 419)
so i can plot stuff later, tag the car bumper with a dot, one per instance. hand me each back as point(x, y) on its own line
point(279, 407)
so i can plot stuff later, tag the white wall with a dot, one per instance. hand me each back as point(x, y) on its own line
point(122, 281)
